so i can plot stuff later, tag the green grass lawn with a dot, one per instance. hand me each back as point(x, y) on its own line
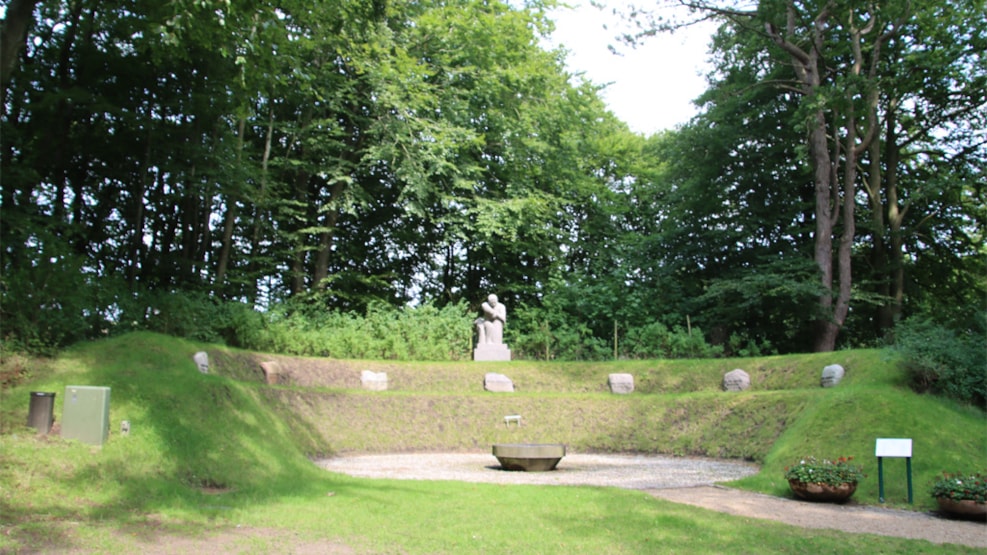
point(211, 452)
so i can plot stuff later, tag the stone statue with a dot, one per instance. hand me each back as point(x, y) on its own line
point(490, 328)
point(490, 332)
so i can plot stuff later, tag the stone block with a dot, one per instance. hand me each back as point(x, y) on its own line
point(621, 383)
point(497, 383)
point(374, 381)
point(831, 375)
point(736, 380)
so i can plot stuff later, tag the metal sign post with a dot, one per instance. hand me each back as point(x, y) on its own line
point(897, 448)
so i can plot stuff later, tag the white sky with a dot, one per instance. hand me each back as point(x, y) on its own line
point(654, 84)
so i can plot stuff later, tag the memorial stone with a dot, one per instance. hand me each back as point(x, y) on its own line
point(272, 372)
point(497, 383)
point(831, 375)
point(374, 381)
point(202, 361)
point(736, 380)
point(621, 383)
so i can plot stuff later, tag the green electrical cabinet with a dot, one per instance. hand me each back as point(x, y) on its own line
point(86, 413)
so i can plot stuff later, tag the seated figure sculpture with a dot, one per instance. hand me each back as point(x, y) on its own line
point(494, 318)
point(490, 332)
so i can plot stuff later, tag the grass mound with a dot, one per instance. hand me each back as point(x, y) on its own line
point(212, 450)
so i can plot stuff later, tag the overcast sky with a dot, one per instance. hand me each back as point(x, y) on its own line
point(652, 85)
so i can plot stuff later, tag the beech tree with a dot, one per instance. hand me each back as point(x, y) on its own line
point(843, 57)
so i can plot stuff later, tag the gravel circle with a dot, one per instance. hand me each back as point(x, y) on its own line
point(575, 469)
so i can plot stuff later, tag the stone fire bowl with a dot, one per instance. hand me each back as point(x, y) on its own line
point(530, 457)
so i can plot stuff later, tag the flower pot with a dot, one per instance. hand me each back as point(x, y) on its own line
point(822, 492)
point(962, 508)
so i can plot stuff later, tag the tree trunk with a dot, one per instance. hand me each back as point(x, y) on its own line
point(321, 271)
point(826, 329)
point(229, 220)
point(13, 34)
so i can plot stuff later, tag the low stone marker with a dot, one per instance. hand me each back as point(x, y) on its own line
point(374, 381)
point(831, 375)
point(272, 372)
point(736, 380)
point(202, 361)
point(497, 383)
point(621, 384)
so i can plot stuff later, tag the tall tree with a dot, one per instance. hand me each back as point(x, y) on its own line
point(842, 55)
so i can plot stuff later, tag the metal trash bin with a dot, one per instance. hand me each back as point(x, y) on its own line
point(40, 414)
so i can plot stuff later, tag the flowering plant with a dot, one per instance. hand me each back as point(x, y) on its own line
point(833, 473)
point(959, 487)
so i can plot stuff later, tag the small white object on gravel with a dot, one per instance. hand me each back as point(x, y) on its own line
point(622, 471)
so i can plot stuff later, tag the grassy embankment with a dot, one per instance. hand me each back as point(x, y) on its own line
point(219, 450)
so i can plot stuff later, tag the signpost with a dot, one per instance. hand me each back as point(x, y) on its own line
point(897, 448)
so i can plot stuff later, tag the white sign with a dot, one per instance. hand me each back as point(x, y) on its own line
point(893, 448)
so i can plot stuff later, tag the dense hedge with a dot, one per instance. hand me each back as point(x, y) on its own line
point(945, 361)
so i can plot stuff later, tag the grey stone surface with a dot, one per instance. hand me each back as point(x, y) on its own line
point(497, 383)
point(831, 375)
point(621, 384)
point(202, 361)
point(736, 380)
point(374, 381)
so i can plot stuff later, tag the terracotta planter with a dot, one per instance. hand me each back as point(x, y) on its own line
point(964, 508)
point(822, 492)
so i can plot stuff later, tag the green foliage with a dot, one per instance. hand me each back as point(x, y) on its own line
point(657, 341)
point(833, 473)
point(423, 332)
point(959, 487)
point(944, 361)
point(552, 333)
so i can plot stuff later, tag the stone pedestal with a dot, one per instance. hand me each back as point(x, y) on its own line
point(491, 352)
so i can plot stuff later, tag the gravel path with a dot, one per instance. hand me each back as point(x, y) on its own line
point(681, 480)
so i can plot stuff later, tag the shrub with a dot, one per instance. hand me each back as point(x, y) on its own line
point(944, 361)
point(424, 332)
point(959, 487)
point(658, 341)
point(812, 471)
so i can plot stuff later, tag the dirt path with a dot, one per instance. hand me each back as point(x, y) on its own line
point(848, 518)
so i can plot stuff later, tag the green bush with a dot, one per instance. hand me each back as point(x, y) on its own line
point(424, 332)
point(658, 341)
point(553, 334)
point(944, 361)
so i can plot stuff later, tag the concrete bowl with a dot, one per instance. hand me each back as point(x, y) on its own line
point(529, 457)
